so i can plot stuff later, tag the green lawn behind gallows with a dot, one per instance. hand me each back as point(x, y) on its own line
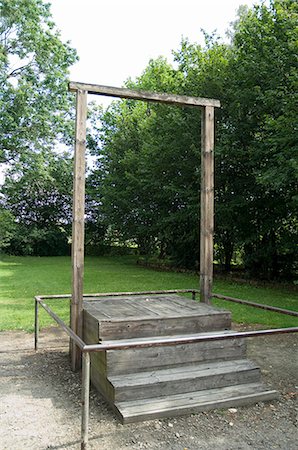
point(21, 278)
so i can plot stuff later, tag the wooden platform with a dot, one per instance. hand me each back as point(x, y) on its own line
point(148, 316)
point(147, 383)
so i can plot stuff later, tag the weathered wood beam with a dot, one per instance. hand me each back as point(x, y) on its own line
point(207, 204)
point(173, 99)
point(76, 308)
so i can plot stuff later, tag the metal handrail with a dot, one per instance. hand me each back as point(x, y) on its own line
point(162, 341)
point(288, 312)
point(117, 294)
point(87, 348)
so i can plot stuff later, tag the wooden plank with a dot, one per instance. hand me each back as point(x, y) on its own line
point(102, 384)
point(91, 336)
point(127, 307)
point(207, 204)
point(76, 310)
point(146, 359)
point(181, 404)
point(133, 360)
point(167, 306)
point(99, 363)
point(179, 336)
point(182, 373)
point(90, 328)
point(190, 306)
point(167, 382)
point(173, 99)
point(129, 328)
point(144, 307)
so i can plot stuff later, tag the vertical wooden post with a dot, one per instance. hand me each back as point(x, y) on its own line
point(207, 204)
point(77, 251)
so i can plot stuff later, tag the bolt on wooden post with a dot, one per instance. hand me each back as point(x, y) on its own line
point(207, 203)
point(78, 216)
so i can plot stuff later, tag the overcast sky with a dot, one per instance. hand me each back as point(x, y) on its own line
point(115, 39)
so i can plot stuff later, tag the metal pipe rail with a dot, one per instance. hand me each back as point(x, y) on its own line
point(87, 348)
point(118, 294)
point(256, 305)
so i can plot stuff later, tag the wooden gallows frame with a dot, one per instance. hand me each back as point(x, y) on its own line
point(207, 191)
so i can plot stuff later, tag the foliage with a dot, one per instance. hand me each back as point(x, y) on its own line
point(37, 191)
point(35, 241)
point(7, 228)
point(36, 113)
point(262, 135)
point(148, 161)
point(144, 189)
point(34, 102)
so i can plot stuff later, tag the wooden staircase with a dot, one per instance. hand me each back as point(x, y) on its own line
point(148, 383)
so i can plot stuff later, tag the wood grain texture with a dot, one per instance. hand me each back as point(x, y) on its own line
point(146, 359)
point(193, 402)
point(76, 309)
point(148, 383)
point(167, 382)
point(173, 99)
point(90, 328)
point(155, 315)
point(161, 327)
point(207, 204)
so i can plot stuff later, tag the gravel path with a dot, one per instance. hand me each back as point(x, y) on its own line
point(40, 405)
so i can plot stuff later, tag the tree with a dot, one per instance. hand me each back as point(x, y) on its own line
point(144, 164)
point(36, 115)
point(34, 102)
point(261, 136)
point(205, 74)
point(37, 192)
point(7, 228)
point(148, 161)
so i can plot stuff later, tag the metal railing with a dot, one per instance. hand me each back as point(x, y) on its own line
point(86, 349)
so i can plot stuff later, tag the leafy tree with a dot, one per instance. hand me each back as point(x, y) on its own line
point(7, 228)
point(34, 102)
point(145, 167)
point(37, 191)
point(261, 136)
point(256, 150)
point(205, 74)
point(36, 114)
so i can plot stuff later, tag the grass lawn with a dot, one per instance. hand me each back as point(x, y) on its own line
point(21, 278)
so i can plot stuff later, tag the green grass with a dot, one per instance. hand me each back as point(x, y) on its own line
point(21, 278)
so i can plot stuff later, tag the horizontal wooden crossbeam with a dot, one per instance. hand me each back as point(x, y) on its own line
point(172, 99)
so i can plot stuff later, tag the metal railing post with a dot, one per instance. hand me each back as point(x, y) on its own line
point(36, 325)
point(85, 399)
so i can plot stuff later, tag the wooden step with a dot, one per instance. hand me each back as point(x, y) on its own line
point(182, 379)
point(134, 360)
point(193, 402)
point(147, 383)
point(116, 362)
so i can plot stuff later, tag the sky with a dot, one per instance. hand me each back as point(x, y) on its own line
point(116, 39)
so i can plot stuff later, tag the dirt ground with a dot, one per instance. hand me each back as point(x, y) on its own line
point(40, 404)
